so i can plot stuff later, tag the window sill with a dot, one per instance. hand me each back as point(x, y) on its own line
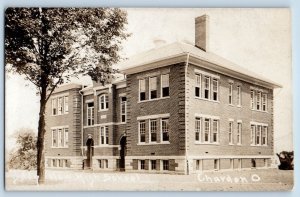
point(259, 145)
point(259, 111)
point(239, 144)
point(231, 144)
point(65, 147)
point(206, 143)
point(156, 99)
point(103, 110)
point(231, 105)
point(59, 114)
point(204, 99)
point(152, 143)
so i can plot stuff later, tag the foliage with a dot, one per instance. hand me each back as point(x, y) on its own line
point(24, 156)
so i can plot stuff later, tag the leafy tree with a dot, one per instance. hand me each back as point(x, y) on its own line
point(48, 46)
point(24, 156)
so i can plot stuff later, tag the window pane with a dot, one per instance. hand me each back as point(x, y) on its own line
point(165, 129)
point(153, 130)
point(165, 80)
point(66, 137)
point(66, 104)
point(142, 85)
point(206, 130)
point(142, 128)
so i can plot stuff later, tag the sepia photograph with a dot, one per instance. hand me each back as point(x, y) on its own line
point(148, 99)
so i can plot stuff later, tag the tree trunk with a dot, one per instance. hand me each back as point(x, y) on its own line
point(40, 140)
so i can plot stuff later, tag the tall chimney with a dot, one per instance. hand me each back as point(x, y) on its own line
point(202, 32)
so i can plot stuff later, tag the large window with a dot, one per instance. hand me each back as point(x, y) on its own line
point(198, 129)
point(239, 96)
point(230, 132)
point(153, 130)
point(259, 134)
point(104, 135)
point(239, 133)
point(259, 100)
point(142, 93)
point(206, 87)
point(165, 129)
point(230, 94)
point(60, 138)
point(198, 85)
point(103, 102)
point(60, 105)
point(142, 131)
point(165, 92)
point(153, 87)
point(123, 109)
point(90, 114)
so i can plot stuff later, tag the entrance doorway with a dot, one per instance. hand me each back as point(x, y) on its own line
point(122, 153)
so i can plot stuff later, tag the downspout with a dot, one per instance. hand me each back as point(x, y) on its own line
point(81, 112)
point(186, 117)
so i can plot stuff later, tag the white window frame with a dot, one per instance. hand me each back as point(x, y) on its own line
point(60, 101)
point(167, 85)
point(103, 99)
point(207, 88)
point(66, 137)
point(54, 132)
point(162, 129)
point(230, 93)
point(258, 101)
point(90, 112)
point(198, 128)
point(239, 96)
point(59, 139)
point(217, 131)
point(252, 100)
point(104, 132)
point(66, 104)
point(239, 132)
point(152, 88)
point(258, 130)
point(264, 102)
point(217, 89)
point(253, 134)
point(204, 131)
point(265, 132)
point(123, 103)
point(139, 133)
point(140, 87)
point(198, 84)
point(54, 106)
point(230, 132)
point(153, 127)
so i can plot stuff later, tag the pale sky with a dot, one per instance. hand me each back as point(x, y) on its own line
point(258, 39)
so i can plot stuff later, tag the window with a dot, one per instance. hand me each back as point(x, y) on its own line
point(198, 85)
point(123, 109)
point(198, 129)
point(239, 98)
point(153, 87)
point(258, 101)
point(60, 137)
point(153, 164)
point(216, 164)
point(253, 134)
point(231, 163)
point(66, 104)
point(258, 135)
point(239, 133)
point(206, 130)
point(215, 89)
point(230, 132)
point(165, 129)
point(54, 163)
point(153, 130)
point(165, 164)
point(60, 105)
point(142, 83)
point(54, 106)
point(252, 99)
point(142, 164)
point(103, 100)
point(100, 163)
point(199, 164)
point(54, 138)
point(104, 135)
point(106, 163)
point(215, 129)
point(142, 131)
point(264, 135)
point(230, 94)
point(264, 102)
point(206, 87)
point(66, 137)
point(90, 114)
point(165, 85)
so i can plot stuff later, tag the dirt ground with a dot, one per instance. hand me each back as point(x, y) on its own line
point(74, 180)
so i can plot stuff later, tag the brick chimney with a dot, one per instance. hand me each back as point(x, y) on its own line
point(202, 32)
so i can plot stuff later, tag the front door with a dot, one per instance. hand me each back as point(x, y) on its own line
point(122, 153)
